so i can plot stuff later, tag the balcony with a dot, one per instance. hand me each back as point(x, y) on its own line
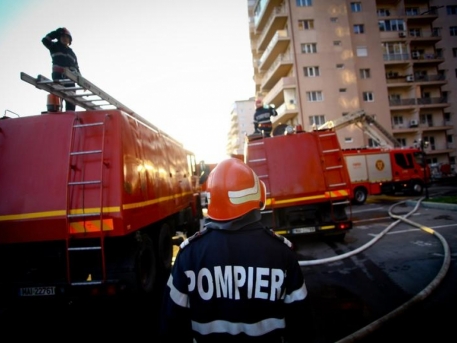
point(426, 102)
point(280, 68)
point(278, 45)
point(396, 58)
point(407, 80)
point(264, 11)
point(286, 114)
point(277, 22)
point(426, 58)
point(276, 94)
point(424, 36)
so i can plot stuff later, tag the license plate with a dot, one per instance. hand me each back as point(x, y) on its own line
point(36, 291)
point(303, 230)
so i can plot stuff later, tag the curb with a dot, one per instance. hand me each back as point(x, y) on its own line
point(435, 205)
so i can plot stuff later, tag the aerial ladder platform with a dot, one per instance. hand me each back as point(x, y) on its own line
point(366, 123)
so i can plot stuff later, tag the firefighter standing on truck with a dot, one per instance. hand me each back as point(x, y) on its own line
point(262, 115)
point(58, 42)
point(235, 281)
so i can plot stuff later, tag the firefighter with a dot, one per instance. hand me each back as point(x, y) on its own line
point(235, 281)
point(262, 118)
point(58, 42)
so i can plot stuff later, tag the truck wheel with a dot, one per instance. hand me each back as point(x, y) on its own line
point(165, 246)
point(417, 187)
point(146, 265)
point(360, 195)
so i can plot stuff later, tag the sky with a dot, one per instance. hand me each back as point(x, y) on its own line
point(180, 64)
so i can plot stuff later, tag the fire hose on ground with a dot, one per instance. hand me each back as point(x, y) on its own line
point(418, 297)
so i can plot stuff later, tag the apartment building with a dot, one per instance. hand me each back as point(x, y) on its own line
point(396, 59)
point(241, 124)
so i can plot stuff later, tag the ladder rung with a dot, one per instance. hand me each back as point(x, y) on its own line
point(330, 151)
point(80, 215)
point(87, 125)
point(338, 184)
point(341, 202)
point(334, 167)
point(84, 248)
point(85, 283)
point(80, 183)
point(74, 153)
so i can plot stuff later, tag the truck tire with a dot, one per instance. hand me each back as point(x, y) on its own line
point(417, 187)
point(360, 195)
point(146, 269)
point(165, 247)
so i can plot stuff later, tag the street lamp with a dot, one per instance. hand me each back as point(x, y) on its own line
point(423, 145)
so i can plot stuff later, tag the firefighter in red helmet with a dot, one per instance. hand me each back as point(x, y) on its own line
point(235, 281)
point(58, 42)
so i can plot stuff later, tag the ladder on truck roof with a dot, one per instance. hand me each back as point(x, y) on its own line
point(84, 94)
point(366, 123)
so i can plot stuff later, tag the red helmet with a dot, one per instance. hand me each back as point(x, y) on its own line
point(233, 189)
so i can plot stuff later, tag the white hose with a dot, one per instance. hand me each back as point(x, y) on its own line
point(418, 297)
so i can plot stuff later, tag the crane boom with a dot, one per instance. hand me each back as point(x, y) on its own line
point(367, 124)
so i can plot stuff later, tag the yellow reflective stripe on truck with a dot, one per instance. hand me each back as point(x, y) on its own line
point(326, 195)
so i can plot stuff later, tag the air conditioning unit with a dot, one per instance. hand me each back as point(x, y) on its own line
point(415, 54)
point(409, 78)
point(413, 123)
point(401, 34)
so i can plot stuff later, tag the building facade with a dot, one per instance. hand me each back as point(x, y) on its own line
point(395, 59)
point(241, 119)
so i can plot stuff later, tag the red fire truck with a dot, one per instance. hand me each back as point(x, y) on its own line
point(386, 169)
point(375, 171)
point(308, 186)
point(91, 199)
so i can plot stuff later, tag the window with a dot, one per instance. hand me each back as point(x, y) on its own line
point(311, 71)
point(451, 9)
point(401, 141)
point(392, 25)
point(368, 96)
point(314, 96)
point(383, 12)
point(412, 10)
point(334, 19)
point(348, 140)
point(317, 120)
point(307, 24)
point(372, 143)
point(342, 90)
point(454, 52)
point(304, 3)
point(362, 51)
point(365, 73)
point(309, 48)
point(398, 120)
point(337, 43)
point(359, 28)
point(356, 7)
point(340, 66)
point(453, 30)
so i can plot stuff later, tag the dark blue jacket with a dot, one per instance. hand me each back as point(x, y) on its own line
point(235, 282)
point(62, 56)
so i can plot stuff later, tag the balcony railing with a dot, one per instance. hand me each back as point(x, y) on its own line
point(417, 101)
point(279, 34)
point(396, 57)
point(277, 11)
